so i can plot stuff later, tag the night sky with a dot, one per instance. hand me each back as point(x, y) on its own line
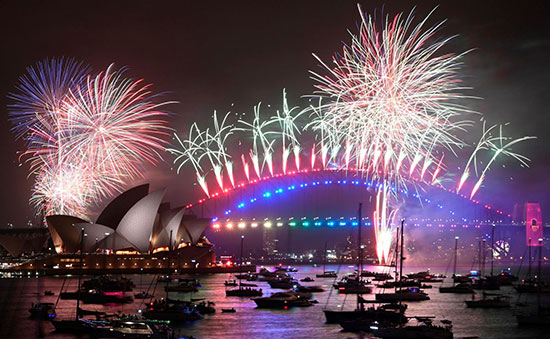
point(211, 55)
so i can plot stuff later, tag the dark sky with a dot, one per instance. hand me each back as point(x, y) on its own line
point(210, 54)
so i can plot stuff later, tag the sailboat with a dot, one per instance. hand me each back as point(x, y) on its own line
point(488, 282)
point(246, 291)
point(425, 327)
point(360, 313)
point(75, 325)
point(326, 274)
point(403, 294)
point(541, 316)
point(463, 287)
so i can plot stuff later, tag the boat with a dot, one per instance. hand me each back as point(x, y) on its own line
point(379, 314)
point(244, 292)
point(494, 302)
point(402, 283)
point(307, 279)
point(376, 313)
point(228, 310)
point(95, 297)
point(282, 300)
point(286, 269)
point(283, 283)
point(326, 274)
point(541, 315)
point(423, 330)
point(230, 283)
point(382, 277)
point(42, 311)
point(247, 276)
point(205, 307)
point(136, 329)
point(162, 310)
point(310, 289)
point(408, 294)
point(353, 285)
point(461, 288)
point(143, 295)
point(247, 284)
point(426, 276)
point(48, 293)
point(106, 284)
point(75, 325)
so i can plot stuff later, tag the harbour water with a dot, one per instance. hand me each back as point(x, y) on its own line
point(17, 294)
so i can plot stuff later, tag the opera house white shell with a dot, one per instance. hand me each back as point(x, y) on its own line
point(132, 221)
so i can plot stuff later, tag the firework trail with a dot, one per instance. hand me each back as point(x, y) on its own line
point(86, 136)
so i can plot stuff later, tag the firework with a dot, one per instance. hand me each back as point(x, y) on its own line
point(85, 135)
point(388, 107)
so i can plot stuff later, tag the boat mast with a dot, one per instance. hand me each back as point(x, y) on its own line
point(79, 272)
point(401, 252)
point(456, 254)
point(396, 256)
point(360, 253)
point(401, 271)
point(479, 257)
point(360, 246)
point(492, 248)
point(539, 281)
point(529, 267)
point(483, 255)
point(325, 257)
point(241, 261)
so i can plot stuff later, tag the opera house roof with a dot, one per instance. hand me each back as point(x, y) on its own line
point(134, 220)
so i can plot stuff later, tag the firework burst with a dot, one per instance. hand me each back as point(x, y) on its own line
point(86, 136)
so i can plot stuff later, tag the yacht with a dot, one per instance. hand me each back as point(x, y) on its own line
point(283, 283)
point(136, 329)
point(327, 274)
point(407, 294)
point(282, 300)
point(424, 330)
point(353, 285)
point(162, 310)
point(244, 292)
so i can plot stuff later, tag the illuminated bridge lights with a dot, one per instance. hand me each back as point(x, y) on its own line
point(280, 191)
point(292, 224)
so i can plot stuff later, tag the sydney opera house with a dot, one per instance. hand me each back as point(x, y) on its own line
point(136, 231)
